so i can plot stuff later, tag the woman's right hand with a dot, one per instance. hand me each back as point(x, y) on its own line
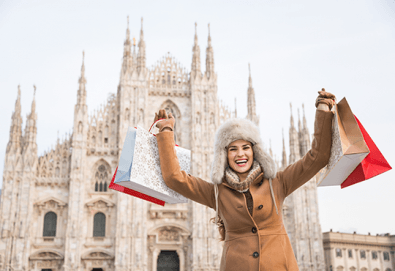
point(167, 123)
point(325, 100)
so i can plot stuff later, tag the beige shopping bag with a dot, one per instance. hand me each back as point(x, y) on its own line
point(348, 147)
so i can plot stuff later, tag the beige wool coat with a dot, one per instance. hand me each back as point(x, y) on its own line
point(257, 242)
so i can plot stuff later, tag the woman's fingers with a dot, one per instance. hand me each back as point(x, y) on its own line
point(156, 117)
point(162, 114)
point(325, 94)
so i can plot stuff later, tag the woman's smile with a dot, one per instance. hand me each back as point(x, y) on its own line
point(241, 162)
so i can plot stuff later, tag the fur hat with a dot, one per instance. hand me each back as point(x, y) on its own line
point(232, 130)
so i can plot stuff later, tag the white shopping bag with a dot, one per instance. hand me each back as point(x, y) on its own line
point(139, 166)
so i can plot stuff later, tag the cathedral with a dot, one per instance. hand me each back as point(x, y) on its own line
point(58, 214)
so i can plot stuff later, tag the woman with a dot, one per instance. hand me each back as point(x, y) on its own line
point(246, 191)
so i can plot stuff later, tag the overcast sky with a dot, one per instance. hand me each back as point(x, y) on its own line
point(295, 48)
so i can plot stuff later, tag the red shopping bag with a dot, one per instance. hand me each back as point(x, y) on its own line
point(372, 165)
point(132, 192)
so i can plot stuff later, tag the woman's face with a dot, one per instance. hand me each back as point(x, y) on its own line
point(240, 156)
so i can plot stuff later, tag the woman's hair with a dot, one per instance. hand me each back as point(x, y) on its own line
point(221, 227)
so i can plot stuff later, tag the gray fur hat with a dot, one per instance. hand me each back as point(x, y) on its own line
point(232, 130)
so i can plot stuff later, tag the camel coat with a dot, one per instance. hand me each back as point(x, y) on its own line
point(257, 242)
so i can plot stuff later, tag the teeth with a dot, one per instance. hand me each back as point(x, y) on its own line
point(241, 162)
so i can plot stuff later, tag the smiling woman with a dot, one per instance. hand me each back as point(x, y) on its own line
point(246, 187)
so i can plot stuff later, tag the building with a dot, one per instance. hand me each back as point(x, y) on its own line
point(56, 212)
point(358, 252)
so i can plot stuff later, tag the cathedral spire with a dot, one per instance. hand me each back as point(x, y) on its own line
point(134, 53)
point(292, 118)
point(299, 123)
point(128, 32)
point(304, 136)
point(251, 106)
point(31, 128)
point(16, 125)
point(141, 54)
point(294, 150)
point(81, 95)
point(284, 158)
point(33, 111)
point(209, 56)
point(304, 118)
point(249, 78)
point(195, 69)
point(18, 102)
point(127, 57)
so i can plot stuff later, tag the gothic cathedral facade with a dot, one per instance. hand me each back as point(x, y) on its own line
point(57, 212)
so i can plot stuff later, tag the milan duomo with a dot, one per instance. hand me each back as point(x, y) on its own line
point(57, 212)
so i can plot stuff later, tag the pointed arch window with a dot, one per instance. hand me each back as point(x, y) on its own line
point(101, 177)
point(99, 225)
point(50, 224)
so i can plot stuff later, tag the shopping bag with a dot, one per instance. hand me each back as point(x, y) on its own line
point(123, 171)
point(139, 169)
point(132, 192)
point(373, 164)
point(348, 147)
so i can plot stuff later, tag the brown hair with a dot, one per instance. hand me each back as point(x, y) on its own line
point(221, 227)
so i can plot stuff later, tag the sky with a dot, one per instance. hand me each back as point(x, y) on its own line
point(295, 48)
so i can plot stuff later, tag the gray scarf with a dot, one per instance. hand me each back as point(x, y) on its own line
point(233, 179)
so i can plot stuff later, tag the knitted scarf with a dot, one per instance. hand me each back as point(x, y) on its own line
point(233, 180)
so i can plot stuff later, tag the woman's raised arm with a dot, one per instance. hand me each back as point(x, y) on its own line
point(185, 184)
point(298, 173)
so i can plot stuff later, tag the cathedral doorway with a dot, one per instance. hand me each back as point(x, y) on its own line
point(168, 261)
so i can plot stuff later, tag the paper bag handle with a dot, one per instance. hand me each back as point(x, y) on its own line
point(153, 125)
